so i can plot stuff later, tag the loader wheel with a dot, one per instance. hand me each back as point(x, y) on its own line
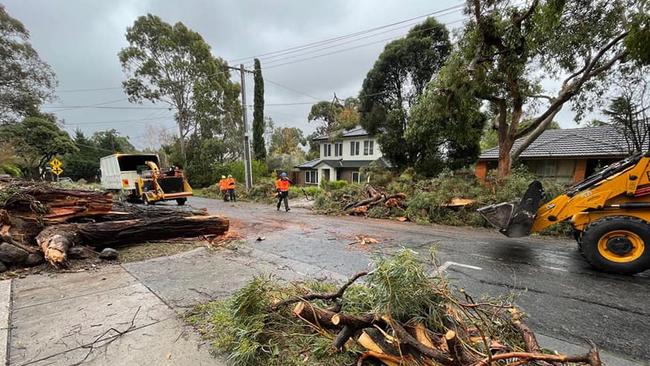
point(617, 244)
point(181, 201)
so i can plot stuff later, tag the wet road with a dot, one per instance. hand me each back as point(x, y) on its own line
point(564, 297)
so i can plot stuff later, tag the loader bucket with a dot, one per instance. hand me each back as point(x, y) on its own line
point(515, 219)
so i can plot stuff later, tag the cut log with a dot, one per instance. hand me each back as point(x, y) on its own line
point(321, 318)
point(374, 340)
point(54, 241)
point(129, 211)
point(405, 337)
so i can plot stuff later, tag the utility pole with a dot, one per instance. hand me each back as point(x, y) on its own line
point(248, 174)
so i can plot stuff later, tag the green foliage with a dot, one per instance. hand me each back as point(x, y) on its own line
point(331, 185)
point(334, 116)
point(84, 162)
point(377, 175)
point(244, 328)
point(258, 114)
point(25, 80)
point(174, 65)
point(286, 140)
point(396, 81)
point(35, 141)
point(10, 169)
point(400, 286)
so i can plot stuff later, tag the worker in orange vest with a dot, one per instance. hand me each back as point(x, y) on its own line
point(223, 187)
point(282, 186)
point(230, 185)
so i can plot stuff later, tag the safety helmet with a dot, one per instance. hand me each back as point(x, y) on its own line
point(283, 175)
point(223, 177)
point(229, 175)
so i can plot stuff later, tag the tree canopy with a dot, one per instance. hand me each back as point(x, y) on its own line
point(508, 50)
point(396, 81)
point(335, 115)
point(25, 80)
point(36, 140)
point(259, 148)
point(174, 65)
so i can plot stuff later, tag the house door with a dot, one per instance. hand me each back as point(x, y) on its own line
point(326, 174)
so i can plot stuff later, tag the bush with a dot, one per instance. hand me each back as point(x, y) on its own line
point(332, 185)
point(10, 169)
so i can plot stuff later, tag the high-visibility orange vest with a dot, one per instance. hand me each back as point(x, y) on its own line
point(223, 184)
point(230, 183)
point(282, 185)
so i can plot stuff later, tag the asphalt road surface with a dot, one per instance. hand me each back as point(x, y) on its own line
point(564, 297)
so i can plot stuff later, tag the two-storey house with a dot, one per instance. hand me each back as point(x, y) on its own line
point(341, 158)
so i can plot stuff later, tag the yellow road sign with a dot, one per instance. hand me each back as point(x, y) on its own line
point(55, 163)
point(57, 170)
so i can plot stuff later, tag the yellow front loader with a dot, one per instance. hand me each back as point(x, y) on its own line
point(609, 212)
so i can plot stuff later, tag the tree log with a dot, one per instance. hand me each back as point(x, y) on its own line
point(55, 241)
point(129, 211)
point(342, 338)
point(405, 337)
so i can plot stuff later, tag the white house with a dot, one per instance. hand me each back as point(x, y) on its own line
point(341, 157)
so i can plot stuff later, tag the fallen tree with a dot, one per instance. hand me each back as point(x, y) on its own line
point(39, 220)
point(398, 316)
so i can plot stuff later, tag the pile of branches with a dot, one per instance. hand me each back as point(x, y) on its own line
point(373, 196)
point(41, 221)
point(399, 315)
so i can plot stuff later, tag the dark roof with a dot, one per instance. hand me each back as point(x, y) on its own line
point(601, 141)
point(344, 163)
point(354, 132)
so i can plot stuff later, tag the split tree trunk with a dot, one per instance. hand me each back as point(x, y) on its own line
point(55, 241)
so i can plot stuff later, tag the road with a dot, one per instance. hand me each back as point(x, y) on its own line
point(564, 297)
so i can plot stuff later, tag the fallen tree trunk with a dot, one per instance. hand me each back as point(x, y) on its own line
point(55, 241)
point(130, 211)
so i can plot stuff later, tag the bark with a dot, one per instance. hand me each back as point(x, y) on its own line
point(324, 318)
point(405, 337)
point(327, 296)
point(55, 241)
point(342, 338)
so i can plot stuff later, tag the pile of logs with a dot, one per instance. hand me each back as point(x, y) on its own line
point(40, 221)
point(374, 197)
point(471, 333)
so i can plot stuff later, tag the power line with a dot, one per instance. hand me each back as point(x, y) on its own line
point(318, 48)
point(345, 36)
point(107, 107)
point(86, 90)
point(343, 50)
point(291, 89)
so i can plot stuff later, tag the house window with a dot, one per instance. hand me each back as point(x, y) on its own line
point(338, 149)
point(311, 176)
point(368, 146)
point(356, 177)
point(327, 150)
point(354, 148)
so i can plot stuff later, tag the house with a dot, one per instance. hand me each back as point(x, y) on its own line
point(341, 157)
point(567, 155)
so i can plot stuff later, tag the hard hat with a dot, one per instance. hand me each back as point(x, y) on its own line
point(283, 175)
point(229, 176)
point(223, 177)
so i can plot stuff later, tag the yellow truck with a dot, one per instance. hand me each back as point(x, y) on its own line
point(609, 212)
point(140, 178)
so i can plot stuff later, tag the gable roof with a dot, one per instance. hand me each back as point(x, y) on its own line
point(354, 132)
point(603, 141)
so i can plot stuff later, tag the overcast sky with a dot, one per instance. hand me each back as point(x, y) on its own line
point(80, 39)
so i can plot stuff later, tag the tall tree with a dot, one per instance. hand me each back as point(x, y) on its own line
point(259, 149)
point(173, 64)
point(25, 80)
point(110, 141)
point(286, 140)
point(508, 50)
point(395, 82)
point(629, 111)
point(335, 115)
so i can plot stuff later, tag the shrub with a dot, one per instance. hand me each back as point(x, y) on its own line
point(331, 185)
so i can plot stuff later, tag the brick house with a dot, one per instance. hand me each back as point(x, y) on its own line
point(567, 155)
point(341, 158)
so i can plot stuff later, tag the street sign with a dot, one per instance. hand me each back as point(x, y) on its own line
point(55, 163)
point(57, 170)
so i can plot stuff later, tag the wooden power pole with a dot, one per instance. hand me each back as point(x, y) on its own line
point(248, 174)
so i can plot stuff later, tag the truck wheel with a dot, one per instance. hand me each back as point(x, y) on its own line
point(181, 201)
point(617, 244)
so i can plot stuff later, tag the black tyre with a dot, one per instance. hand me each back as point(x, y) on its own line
point(181, 201)
point(617, 244)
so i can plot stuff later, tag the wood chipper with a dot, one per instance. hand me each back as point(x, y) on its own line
point(139, 176)
point(609, 212)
